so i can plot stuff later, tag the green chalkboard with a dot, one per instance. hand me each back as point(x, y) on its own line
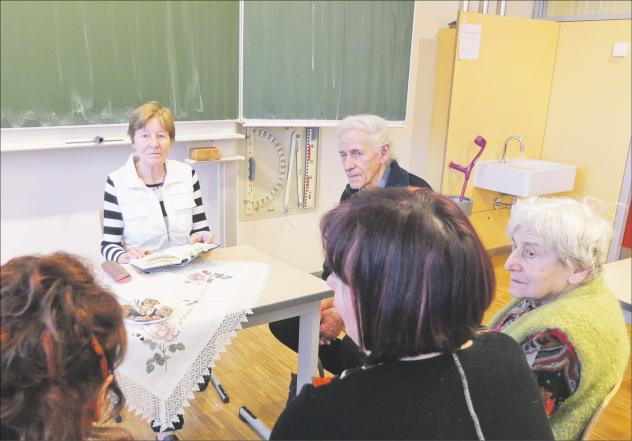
point(326, 59)
point(92, 62)
point(85, 63)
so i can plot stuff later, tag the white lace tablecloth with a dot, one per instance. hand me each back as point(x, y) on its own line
point(165, 361)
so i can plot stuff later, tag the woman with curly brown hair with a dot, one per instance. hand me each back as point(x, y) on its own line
point(62, 336)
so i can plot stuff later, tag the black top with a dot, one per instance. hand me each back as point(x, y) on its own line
point(425, 399)
point(8, 434)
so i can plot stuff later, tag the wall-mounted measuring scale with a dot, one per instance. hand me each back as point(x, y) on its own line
point(280, 171)
point(311, 162)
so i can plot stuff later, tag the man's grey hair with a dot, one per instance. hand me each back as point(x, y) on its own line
point(372, 125)
point(571, 229)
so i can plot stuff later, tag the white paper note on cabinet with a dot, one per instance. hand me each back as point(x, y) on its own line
point(469, 41)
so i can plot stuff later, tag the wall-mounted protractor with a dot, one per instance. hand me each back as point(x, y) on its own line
point(279, 172)
point(271, 176)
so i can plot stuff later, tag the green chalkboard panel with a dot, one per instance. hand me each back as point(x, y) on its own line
point(92, 62)
point(326, 59)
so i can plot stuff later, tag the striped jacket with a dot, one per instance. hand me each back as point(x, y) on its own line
point(138, 215)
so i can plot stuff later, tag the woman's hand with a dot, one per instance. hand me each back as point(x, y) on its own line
point(131, 254)
point(331, 325)
point(327, 303)
point(202, 237)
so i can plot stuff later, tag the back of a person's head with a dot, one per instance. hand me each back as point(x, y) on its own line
point(372, 125)
point(573, 230)
point(420, 276)
point(62, 336)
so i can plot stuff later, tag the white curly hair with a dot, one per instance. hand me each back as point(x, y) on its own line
point(573, 230)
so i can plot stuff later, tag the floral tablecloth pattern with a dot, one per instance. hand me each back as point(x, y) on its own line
point(165, 361)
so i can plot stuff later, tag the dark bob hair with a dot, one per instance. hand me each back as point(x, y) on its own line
point(420, 277)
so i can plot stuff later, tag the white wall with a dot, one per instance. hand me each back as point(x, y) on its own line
point(50, 199)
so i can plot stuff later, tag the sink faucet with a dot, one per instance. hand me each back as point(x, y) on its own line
point(503, 161)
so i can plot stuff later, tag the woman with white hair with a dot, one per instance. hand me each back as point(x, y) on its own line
point(568, 323)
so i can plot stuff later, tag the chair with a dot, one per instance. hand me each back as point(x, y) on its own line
point(592, 424)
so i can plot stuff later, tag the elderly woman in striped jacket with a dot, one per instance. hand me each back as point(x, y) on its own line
point(151, 202)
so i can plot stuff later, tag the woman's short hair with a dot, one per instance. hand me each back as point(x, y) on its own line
point(420, 277)
point(571, 229)
point(58, 324)
point(372, 125)
point(147, 111)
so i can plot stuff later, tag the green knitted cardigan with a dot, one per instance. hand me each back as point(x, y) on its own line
point(591, 317)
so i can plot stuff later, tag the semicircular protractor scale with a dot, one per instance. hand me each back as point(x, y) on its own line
point(266, 154)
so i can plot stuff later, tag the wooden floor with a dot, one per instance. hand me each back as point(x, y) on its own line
point(255, 371)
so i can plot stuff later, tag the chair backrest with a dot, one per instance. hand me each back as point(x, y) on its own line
point(595, 418)
point(101, 214)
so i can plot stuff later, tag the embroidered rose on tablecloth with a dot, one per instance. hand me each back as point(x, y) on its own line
point(197, 277)
point(163, 336)
point(165, 332)
point(206, 276)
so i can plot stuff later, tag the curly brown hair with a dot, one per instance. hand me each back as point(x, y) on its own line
point(62, 334)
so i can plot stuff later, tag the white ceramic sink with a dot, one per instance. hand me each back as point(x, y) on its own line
point(525, 177)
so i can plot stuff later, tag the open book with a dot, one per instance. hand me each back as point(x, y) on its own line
point(172, 257)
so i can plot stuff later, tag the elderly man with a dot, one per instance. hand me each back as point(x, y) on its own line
point(365, 151)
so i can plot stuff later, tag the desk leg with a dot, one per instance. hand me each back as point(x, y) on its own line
point(309, 329)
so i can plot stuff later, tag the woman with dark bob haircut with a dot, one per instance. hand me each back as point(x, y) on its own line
point(411, 280)
point(62, 337)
